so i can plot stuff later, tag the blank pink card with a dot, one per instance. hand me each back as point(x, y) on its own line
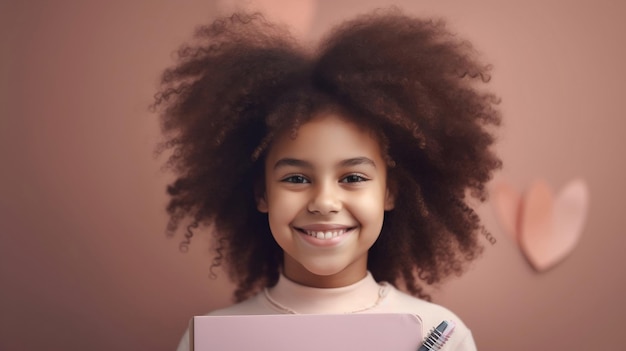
point(362, 332)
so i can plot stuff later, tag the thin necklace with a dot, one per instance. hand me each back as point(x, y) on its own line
point(382, 292)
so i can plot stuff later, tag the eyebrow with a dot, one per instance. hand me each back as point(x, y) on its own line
point(284, 162)
point(355, 161)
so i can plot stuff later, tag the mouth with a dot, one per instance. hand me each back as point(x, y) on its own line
point(325, 234)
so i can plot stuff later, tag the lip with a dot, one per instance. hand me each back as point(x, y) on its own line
point(324, 227)
point(324, 235)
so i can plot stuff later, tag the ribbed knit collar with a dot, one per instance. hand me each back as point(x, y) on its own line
point(290, 297)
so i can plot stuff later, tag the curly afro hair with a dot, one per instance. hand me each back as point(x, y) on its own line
point(243, 80)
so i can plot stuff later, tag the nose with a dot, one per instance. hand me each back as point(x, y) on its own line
point(324, 199)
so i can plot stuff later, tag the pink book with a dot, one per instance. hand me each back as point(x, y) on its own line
point(312, 332)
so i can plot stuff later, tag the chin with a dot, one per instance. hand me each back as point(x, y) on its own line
point(325, 270)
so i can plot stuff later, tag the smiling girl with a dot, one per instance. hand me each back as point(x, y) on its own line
point(337, 178)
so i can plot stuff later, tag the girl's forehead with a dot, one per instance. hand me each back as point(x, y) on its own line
point(327, 136)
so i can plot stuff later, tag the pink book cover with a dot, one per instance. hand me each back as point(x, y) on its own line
point(313, 332)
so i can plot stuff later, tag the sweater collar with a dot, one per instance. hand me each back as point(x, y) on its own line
point(290, 297)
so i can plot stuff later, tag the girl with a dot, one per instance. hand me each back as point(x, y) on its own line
point(337, 176)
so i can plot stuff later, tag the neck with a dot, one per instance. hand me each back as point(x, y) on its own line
point(351, 274)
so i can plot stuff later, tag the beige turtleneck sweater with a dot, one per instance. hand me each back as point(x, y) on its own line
point(364, 296)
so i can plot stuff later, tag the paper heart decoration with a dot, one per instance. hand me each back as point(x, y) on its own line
point(298, 15)
point(546, 226)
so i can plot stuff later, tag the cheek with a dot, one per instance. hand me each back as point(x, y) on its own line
point(372, 201)
point(369, 210)
point(282, 209)
point(284, 201)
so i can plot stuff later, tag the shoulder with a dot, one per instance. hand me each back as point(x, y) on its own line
point(397, 301)
point(430, 314)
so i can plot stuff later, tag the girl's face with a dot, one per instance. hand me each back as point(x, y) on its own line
point(325, 196)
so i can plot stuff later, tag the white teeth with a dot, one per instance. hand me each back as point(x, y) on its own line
point(325, 235)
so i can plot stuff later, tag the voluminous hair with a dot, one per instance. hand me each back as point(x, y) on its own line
point(244, 80)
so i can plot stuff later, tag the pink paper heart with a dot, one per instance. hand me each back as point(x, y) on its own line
point(298, 15)
point(547, 228)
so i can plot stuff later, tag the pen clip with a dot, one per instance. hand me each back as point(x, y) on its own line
point(438, 336)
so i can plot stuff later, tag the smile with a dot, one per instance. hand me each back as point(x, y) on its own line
point(325, 235)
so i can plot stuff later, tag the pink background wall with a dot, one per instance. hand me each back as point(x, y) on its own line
point(85, 264)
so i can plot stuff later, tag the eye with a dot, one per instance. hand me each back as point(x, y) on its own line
point(296, 179)
point(353, 178)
